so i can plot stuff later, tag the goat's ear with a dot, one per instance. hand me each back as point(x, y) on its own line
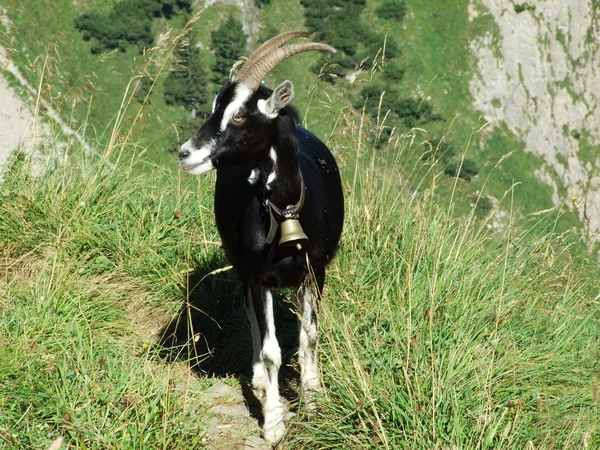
point(280, 98)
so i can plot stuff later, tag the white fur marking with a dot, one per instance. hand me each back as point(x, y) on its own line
point(198, 161)
point(259, 376)
point(263, 107)
point(271, 357)
point(206, 166)
point(214, 105)
point(242, 94)
point(273, 174)
point(253, 178)
point(273, 155)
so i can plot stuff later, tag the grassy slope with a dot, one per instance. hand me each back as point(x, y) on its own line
point(89, 89)
point(434, 39)
point(434, 333)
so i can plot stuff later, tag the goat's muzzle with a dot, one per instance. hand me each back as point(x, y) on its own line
point(183, 153)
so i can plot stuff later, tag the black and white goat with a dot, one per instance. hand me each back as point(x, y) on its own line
point(270, 169)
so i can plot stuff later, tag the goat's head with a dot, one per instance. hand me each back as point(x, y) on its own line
point(240, 126)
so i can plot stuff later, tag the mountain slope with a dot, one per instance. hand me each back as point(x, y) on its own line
point(121, 319)
point(543, 156)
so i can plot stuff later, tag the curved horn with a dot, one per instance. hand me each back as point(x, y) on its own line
point(260, 68)
point(268, 46)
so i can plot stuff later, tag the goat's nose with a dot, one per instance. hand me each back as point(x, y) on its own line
point(183, 153)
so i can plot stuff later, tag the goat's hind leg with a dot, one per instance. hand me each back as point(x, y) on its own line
point(309, 295)
point(259, 376)
point(266, 366)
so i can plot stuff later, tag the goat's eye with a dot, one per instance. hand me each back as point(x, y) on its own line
point(238, 119)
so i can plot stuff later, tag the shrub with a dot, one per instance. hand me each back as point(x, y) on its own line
point(187, 85)
point(128, 23)
point(465, 172)
point(392, 9)
point(415, 112)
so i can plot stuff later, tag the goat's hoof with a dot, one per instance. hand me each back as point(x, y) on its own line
point(274, 427)
point(309, 404)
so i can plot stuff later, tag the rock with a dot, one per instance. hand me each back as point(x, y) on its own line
point(256, 443)
point(538, 74)
point(223, 391)
point(232, 411)
point(229, 423)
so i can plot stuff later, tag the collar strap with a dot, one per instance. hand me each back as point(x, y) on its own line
point(277, 215)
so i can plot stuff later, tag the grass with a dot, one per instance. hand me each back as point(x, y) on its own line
point(72, 363)
point(441, 336)
point(435, 333)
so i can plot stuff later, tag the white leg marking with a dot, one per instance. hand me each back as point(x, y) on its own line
point(273, 410)
point(307, 351)
point(259, 376)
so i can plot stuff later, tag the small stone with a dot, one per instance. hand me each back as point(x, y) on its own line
point(231, 410)
point(256, 443)
point(221, 389)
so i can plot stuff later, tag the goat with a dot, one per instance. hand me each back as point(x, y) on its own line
point(269, 170)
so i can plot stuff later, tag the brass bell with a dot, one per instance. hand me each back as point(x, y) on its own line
point(292, 234)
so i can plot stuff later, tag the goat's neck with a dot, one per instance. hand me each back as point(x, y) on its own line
point(281, 174)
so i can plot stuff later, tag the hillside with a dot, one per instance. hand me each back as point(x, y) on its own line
point(536, 74)
point(438, 72)
point(461, 310)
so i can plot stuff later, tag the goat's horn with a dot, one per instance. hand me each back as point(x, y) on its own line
point(260, 68)
point(268, 46)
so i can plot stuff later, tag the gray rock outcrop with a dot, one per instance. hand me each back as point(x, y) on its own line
point(538, 72)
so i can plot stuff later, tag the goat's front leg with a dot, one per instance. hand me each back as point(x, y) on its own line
point(266, 367)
